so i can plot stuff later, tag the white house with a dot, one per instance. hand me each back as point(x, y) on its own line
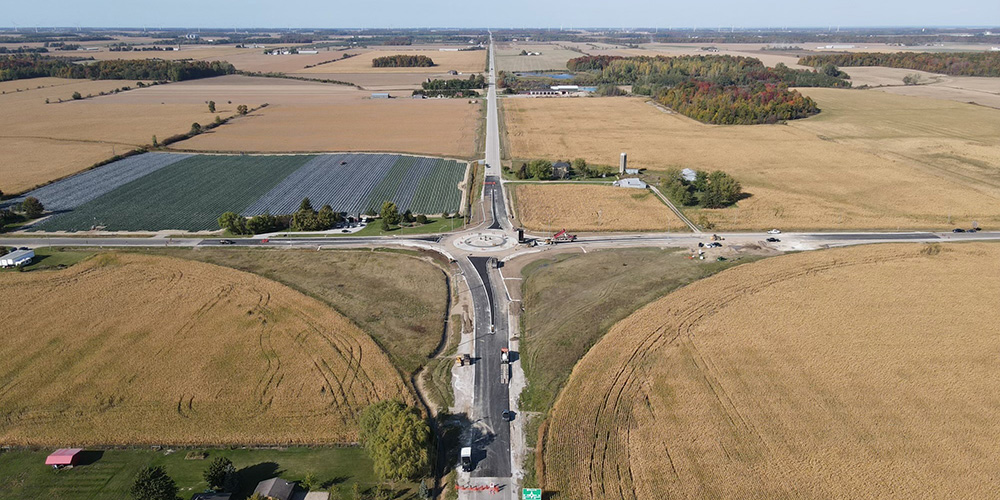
point(630, 183)
point(17, 258)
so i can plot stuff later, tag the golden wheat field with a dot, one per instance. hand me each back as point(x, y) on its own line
point(463, 61)
point(866, 372)
point(219, 357)
point(445, 127)
point(869, 160)
point(42, 142)
point(552, 207)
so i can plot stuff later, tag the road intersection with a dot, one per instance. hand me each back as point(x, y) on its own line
point(477, 252)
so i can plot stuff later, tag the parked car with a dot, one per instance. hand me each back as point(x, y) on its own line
point(227, 242)
point(714, 244)
point(974, 230)
point(772, 240)
point(774, 231)
point(958, 230)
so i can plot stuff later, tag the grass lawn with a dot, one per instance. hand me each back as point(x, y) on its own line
point(54, 258)
point(110, 473)
point(571, 300)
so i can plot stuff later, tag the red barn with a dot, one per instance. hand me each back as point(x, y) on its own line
point(63, 457)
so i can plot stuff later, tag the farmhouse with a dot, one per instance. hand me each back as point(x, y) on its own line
point(64, 457)
point(630, 183)
point(17, 258)
point(275, 489)
point(560, 169)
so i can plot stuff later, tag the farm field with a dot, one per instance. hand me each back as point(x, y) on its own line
point(553, 57)
point(394, 296)
point(405, 83)
point(42, 142)
point(750, 395)
point(869, 160)
point(464, 61)
point(249, 90)
point(552, 207)
point(572, 299)
point(157, 191)
point(439, 127)
point(221, 357)
point(23, 475)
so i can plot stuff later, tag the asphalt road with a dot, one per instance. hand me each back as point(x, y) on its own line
point(491, 396)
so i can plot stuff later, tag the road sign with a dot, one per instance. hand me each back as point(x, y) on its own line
point(531, 493)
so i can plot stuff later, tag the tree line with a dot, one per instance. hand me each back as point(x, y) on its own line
point(952, 63)
point(737, 105)
point(710, 190)
point(20, 67)
point(473, 82)
point(402, 61)
point(719, 89)
point(306, 218)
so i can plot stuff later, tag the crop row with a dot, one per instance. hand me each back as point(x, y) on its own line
point(190, 195)
point(74, 191)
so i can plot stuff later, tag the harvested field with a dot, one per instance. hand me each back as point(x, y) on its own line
point(829, 374)
point(588, 207)
point(439, 127)
point(252, 91)
point(571, 300)
point(42, 142)
point(220, 357)
point(464, 61)
point(868, 160)
point(157, 191)
point(553, 57)
point(382, 81)
point(397, 298)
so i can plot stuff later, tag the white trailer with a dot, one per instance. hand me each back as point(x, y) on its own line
point(17, 258)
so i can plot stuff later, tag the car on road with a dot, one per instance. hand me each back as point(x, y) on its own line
point(227, 242)
point(772, 240)
point(774, 231)
point(507, 415)
point(958, 230)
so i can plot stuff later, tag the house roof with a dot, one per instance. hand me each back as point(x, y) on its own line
point(275, 488)
point(561, 164)
point(631, 183)
point(62, 456)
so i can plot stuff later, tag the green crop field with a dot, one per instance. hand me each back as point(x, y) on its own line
point(189, 195)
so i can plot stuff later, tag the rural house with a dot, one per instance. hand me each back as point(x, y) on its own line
point(275, 489)
point(560, 169)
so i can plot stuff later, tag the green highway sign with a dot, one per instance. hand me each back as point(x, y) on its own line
point(531, 493)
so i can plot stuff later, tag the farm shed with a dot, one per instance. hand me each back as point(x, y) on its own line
point(689, 175)
point(380, 95)
point(17, 258)
point(630, 183)
point(275, 489)
point(63, 457)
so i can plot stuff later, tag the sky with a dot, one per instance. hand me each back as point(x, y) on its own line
point(504, 14)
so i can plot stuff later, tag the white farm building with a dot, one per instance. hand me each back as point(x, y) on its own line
point(17, 258)
point(630, 183)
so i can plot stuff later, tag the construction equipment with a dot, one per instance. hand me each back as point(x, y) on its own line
point(504, 365)
point(560, 237)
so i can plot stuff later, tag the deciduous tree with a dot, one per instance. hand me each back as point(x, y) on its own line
point(153, 483)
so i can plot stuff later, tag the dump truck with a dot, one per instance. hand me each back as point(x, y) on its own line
point(504, 365)
point(561, 237)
